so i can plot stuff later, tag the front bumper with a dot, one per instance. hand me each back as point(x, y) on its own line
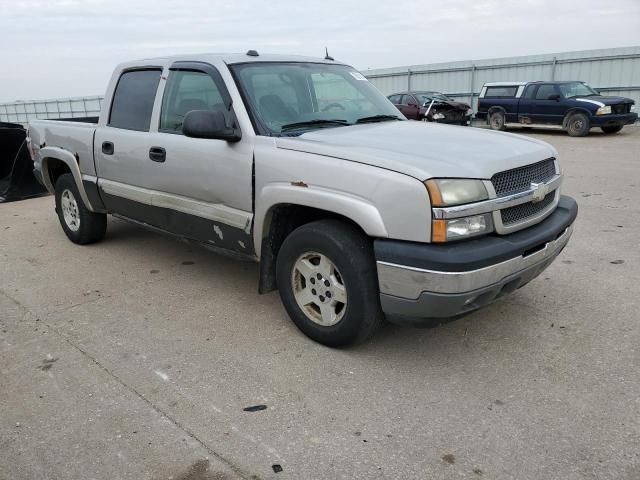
point(423, 281)
point(455, 119)
point(613, 120)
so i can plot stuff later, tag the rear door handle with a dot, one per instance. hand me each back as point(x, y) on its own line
point(107, 148)
point(157, 154)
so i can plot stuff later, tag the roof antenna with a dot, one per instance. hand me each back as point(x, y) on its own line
point(326, 54)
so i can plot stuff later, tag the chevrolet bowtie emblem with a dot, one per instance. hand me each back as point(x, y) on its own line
point(540, 191)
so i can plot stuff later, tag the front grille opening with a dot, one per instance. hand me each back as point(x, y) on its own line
point(524, 211)
point(621, 108)
point(520, 179)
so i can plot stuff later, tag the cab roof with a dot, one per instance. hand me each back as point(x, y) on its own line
point(228, 58)
point(505, 84)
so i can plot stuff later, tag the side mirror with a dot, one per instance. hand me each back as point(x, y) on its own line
point(555, 97)
point(209, 124)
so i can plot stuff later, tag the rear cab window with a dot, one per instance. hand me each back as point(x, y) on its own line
point(501, 91)
point(133, 99)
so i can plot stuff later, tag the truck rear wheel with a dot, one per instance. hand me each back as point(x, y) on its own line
point(578, 125)
point(612, 129)
point(497, 121)
point(79, 224)
point(327, 278)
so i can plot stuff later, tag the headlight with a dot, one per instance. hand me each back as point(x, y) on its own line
point(446, 192)
point(604, 110)
point(438, 116)
point(469, 112)
point(459, 228)
point(633, 107)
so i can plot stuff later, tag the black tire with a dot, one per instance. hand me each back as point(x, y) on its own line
point(351, 253)
point(612, 129)
point(578, 125)
point(497, 121)
point(80, 225)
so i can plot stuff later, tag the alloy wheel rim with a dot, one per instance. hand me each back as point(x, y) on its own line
point(70, 210)
point(319, 289)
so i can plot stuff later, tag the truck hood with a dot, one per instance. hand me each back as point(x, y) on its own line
point(423, 150)
point(600, 100)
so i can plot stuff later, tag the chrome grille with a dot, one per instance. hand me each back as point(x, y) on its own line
point(520, 179)
point(524, 211)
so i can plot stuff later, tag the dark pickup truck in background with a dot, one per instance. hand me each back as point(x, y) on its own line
point(573, 104)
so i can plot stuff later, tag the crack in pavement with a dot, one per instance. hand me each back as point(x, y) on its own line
point(236, 469)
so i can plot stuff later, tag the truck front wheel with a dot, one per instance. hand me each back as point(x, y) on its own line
point(81, 225)
point(578, 125)
point(326, 275)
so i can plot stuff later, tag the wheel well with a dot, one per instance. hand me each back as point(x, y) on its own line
point(280, 221)
point(55, 168)
point(567, 115)
point(495, 109)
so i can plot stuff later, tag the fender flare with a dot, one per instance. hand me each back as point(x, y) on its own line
point(68, 159)
point(573, 110)
point(357, 209)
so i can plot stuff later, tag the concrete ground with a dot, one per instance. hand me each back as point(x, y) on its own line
point(136, 357)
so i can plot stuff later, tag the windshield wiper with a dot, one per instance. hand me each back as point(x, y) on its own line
point(311, 123)
point(377, 118)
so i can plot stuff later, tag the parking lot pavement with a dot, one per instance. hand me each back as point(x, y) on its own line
point(136, 357)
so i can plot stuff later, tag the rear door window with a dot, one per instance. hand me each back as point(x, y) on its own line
point(408, 100)
point(545, 91)
point(501, 92)
point(528, 92)
point(133, 100)
point(395, 98)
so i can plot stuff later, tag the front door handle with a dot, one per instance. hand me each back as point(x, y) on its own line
point(157, 154)
point(107, 148)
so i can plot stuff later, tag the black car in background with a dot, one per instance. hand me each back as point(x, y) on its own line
point(432, 107)
point(16, 167)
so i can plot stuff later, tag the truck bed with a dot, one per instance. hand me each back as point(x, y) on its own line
point(74, 135)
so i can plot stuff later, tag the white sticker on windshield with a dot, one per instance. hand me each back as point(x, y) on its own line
point(358, 76)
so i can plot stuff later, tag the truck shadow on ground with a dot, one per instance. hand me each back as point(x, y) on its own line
point(165, 256)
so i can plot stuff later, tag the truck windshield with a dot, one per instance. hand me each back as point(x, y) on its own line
point(576, 89)
point(291, 98)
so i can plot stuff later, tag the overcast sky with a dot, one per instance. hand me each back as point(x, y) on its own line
point(61, 48)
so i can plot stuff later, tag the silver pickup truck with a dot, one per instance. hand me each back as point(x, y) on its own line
point(354, 213)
